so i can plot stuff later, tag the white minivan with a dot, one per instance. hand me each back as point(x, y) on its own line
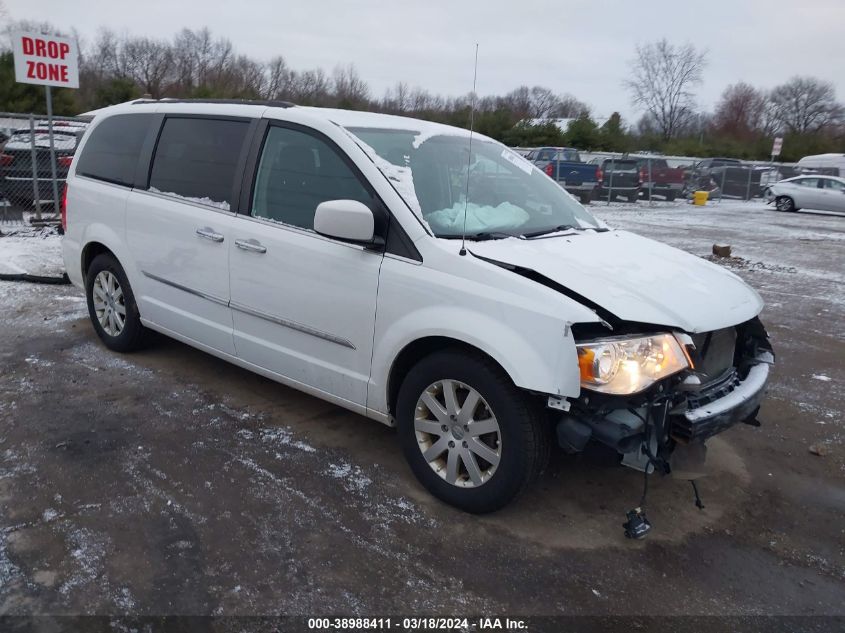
point(414, 274)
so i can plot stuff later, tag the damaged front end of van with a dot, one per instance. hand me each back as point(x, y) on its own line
point(654, 397)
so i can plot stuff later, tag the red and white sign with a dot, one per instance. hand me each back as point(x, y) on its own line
point(46, 60)
point(777, 146)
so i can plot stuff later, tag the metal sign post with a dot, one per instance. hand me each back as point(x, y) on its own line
point(748, 187)
point(53, 170)
point(34, 156)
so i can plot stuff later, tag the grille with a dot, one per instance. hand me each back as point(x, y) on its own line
point(714, 353)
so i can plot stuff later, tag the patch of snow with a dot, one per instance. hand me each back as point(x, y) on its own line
point(224, 205)
point(38, 253)
point(88, 551)
point(49, 514)
point(353, 477)
point(284, 437)
point(821, 377)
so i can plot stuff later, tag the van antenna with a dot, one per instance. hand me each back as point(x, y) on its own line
point(463, 250)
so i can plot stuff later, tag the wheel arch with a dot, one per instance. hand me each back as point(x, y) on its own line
point(420, 348)
point(89, 252)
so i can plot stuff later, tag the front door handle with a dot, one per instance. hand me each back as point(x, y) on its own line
point(209, 234)
point(253, 246)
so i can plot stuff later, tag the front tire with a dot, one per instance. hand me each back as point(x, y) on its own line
point(471, 437)
point(785, 203)
point(111, 305)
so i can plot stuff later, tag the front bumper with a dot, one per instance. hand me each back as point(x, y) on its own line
point(739, 403)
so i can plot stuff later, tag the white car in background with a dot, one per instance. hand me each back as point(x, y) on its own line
point(824, 193)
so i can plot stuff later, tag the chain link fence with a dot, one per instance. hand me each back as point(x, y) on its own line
point(33, 166)
point(670, 177)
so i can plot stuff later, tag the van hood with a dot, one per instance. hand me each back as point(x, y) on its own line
point(633, 278)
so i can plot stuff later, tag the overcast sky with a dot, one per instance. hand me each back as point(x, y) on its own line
point(581, 48)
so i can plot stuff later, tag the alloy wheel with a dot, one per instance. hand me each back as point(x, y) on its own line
point(109, 303)
point(458, 433)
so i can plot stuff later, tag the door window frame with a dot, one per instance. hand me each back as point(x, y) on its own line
point(148, 152)
point(387, 226)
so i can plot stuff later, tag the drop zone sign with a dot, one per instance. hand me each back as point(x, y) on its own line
point(46, 60)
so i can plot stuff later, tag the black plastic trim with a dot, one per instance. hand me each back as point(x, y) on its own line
point(267, 103)
point(142, 171)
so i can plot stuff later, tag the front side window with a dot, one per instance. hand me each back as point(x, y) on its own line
point(111, 153)
point(196, 159)
point(297, 172)
point(506, 195)
point(812, 183)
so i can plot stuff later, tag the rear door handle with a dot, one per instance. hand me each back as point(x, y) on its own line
point(253, 246)
point(210, 234)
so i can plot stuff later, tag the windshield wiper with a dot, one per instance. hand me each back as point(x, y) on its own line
point(480, 237)
point(562, 227)
point(554, 229)
point(489, 235)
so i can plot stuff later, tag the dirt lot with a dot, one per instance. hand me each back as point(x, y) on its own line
point(168, 482)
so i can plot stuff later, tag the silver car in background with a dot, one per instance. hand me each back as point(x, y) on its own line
point(823, 193)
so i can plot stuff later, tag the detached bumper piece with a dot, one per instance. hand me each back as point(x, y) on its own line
point(729, 402)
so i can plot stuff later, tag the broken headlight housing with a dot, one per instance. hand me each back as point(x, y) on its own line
point(628, 365)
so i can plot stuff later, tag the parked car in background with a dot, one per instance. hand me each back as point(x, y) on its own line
point(657, 178)
point(619, 177)
point(824, 193)
point(728, 177)
point(16, 161)
point(827, 164)
point(565, 166)
point(482, 327)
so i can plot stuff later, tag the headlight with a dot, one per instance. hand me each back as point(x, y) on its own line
point(629, 365)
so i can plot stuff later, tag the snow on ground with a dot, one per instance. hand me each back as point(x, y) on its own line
point(30, 250)
point(35, 252)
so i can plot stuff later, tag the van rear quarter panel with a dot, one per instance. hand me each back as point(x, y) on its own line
point(96, 212)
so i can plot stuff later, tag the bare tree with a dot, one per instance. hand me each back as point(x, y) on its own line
point(544, 103)
point(147, 62)
point(279, 79)
point(571, 108)
point(519, 102)
point(806, 104)
point(397, 99)
point(661, 81)
point(741, 112)
point(350, 90)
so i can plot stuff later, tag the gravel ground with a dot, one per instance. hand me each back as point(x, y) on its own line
point(168, 482)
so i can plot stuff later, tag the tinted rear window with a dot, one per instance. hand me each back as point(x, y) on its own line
point(197, 158)
point(111, 153)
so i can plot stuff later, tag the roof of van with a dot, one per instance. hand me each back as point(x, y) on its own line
point(344, 118)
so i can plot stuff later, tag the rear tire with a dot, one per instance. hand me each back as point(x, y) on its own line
point(112, 307)
point(503, 424)
point(670, 197)
point(785, 203)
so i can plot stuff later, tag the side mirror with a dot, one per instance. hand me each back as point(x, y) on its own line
point(347, 220)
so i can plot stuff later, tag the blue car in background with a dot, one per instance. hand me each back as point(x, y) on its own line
point(565, 166)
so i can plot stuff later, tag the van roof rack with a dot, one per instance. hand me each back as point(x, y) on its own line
point(268, 103)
